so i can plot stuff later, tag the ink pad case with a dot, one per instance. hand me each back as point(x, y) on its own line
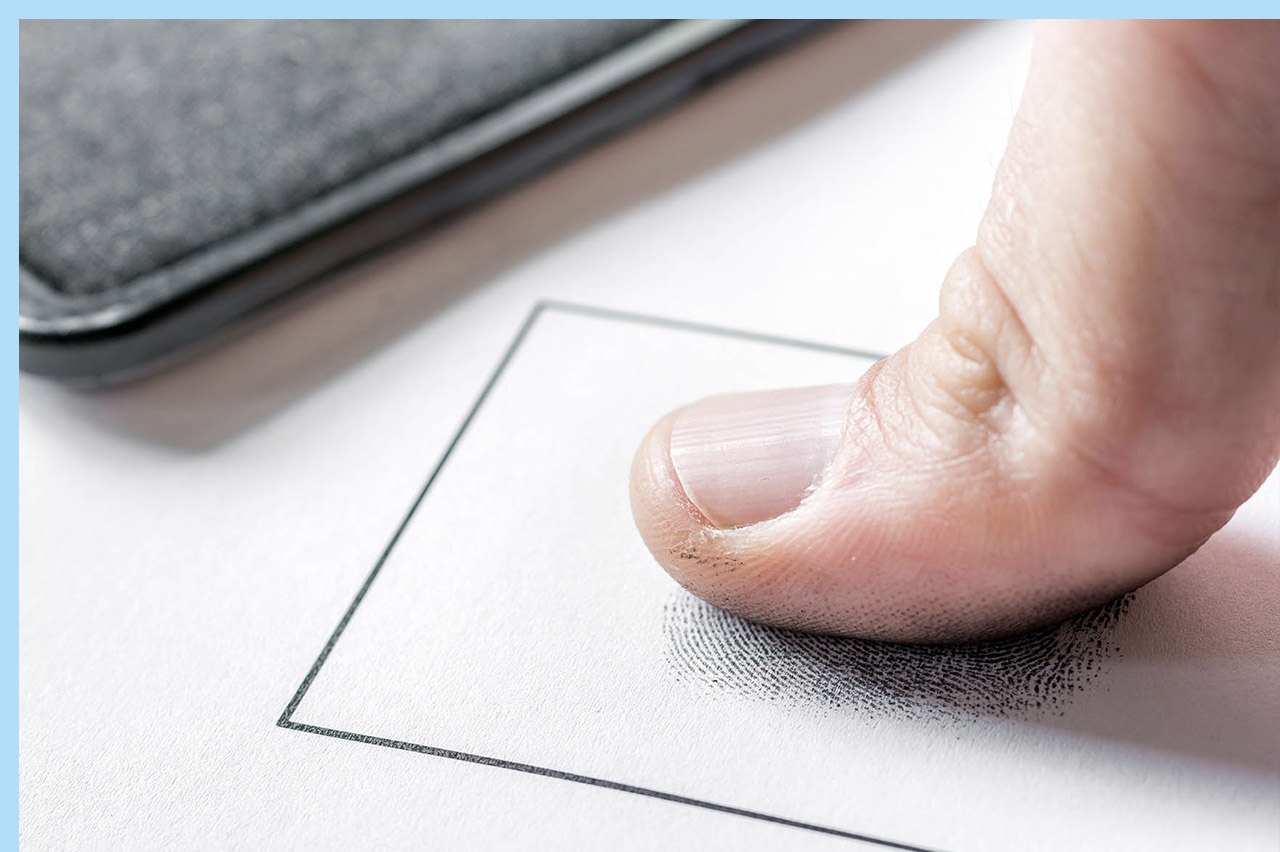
point(179, 177)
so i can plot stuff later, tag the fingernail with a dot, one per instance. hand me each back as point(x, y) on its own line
point(748, 457)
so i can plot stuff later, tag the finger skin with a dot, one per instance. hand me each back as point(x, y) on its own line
point(1100, 390)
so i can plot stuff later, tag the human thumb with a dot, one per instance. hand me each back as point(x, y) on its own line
point(1100, 390)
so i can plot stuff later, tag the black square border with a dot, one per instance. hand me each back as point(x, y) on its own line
point(286, 718)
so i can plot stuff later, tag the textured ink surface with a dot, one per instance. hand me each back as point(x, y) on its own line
point(1017, 677)
point(145, 141)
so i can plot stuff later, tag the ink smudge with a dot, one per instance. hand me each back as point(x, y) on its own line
point(1026, 676)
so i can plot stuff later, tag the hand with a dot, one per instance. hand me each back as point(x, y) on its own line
point(1099, 392)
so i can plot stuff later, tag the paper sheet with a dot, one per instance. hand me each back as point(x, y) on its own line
point(495, 629)
point(513, 669)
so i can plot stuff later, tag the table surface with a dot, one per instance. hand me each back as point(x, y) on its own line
point(188, 541)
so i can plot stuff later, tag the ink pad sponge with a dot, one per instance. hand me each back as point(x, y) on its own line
point(162, 164)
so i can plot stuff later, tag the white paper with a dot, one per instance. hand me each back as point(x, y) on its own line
point(189, 544)
point(518, 618)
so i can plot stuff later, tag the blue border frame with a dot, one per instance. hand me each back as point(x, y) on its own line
point(580, 9)
point(11, 357)
point(239, 8)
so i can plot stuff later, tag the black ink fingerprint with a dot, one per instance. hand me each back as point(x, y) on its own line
point(1019, 677)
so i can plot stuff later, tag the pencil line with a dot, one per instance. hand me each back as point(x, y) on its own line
point(705, 328)
point(467, 757)
point(386, 551)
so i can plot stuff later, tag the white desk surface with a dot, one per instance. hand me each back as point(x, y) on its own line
point(187, 543)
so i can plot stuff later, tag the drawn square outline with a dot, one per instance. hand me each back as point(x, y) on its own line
point(604, 314)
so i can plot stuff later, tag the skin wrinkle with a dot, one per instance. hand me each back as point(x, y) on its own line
point(911, 452)
point(941, 436)
point(972, 267)
point(955, 407)
point(988, 419)
point(983, 387)
point(967, 275)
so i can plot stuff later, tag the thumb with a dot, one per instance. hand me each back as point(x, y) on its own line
point(1099, 393)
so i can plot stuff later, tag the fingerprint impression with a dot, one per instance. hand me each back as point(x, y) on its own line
point(1024, 676)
